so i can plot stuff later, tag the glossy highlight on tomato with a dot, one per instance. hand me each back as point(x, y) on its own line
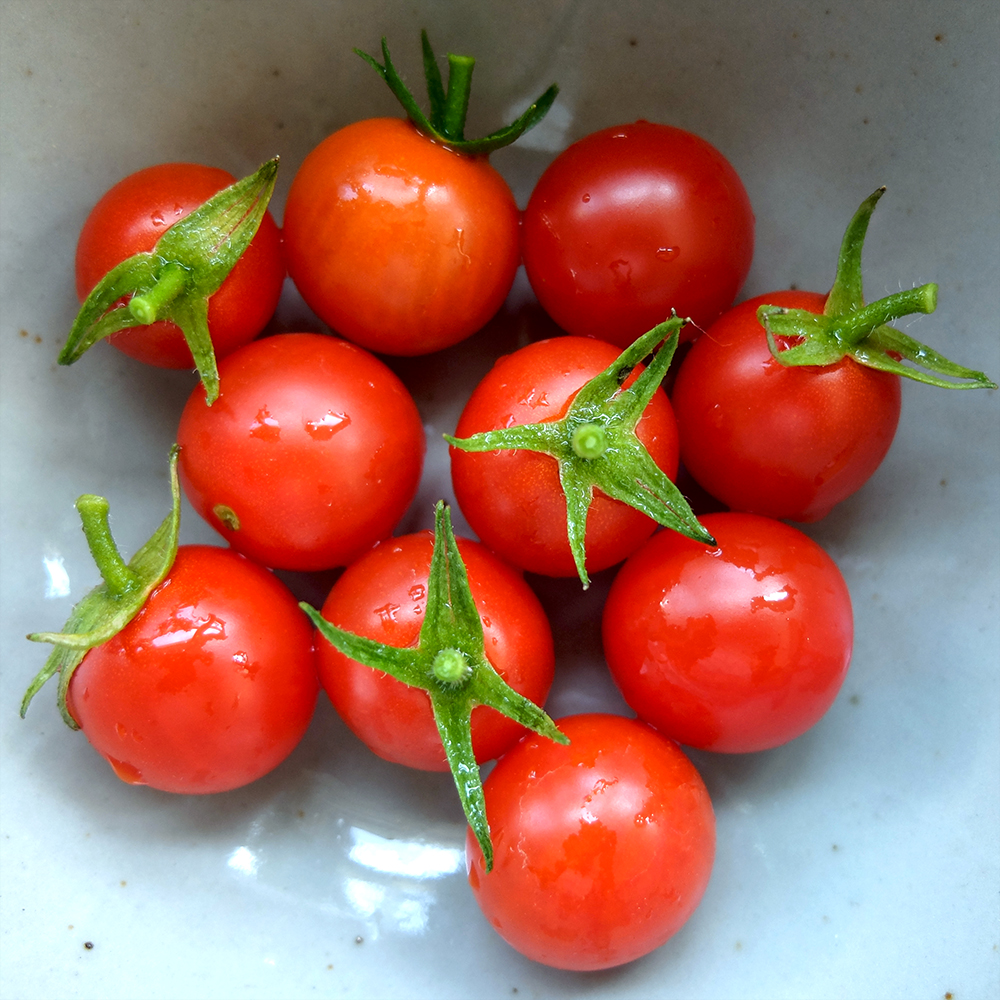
point(399, 243)
point(603, 847)
point(737, 648)
point(209, 687)
point(513, 499)
point(311, 454)
point(383, 596)
point(133, 215)
point(632, 222)
point(785, 442)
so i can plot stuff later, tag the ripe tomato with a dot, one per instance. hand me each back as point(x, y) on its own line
point(383, 597)
point(513, 499)
point(133, 215)
point(603, 847)
point(786, 442)
point(311, 454)
point(631, 222)
point(210, 686)
point(399, 243)
point(738, 648)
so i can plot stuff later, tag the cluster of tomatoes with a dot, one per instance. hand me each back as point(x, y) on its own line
point(193, 669)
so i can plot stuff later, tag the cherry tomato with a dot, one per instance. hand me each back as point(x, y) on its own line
point(383, 597)
point(513, 499)
point(133, 215)
point(210, 686)
point(311, 454)
point(738, 648)
point(783, 442)
point(631, 222)
point(603, 847)
point(401, 244)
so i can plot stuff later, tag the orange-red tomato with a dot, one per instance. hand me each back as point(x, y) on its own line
point(785, 442)
point(736, 648)
point(397, 242)
point(603, 847)
point(209, 687)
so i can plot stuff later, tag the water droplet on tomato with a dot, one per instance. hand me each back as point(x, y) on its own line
point(668, 253)
point(265, 426)
point(326, 426)
point(586, 197)
point(128, 773)
point(157, 218)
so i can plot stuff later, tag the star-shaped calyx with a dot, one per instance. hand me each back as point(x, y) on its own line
point(848, 327)
point(449, 662)
point(596, 445)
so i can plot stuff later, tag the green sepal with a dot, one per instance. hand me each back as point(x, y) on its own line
point(108, 608)
point(625, 470)
point(451, 624)
point(176, 278)
point(446, 123)
point(849, 328)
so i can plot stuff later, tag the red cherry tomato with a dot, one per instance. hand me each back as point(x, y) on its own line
point(513, 499)
point(738, 648)
point(603, 848)
point(210, 686)
point(402, 245)
point(783, 442)
point(631, 222)
point(133, 215)
point(311, 454)
point(383, 597)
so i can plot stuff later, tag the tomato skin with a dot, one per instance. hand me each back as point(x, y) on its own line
point(631, 222)
point(513, 499)
point(603, 848)
point(133, 215)
point(383, 597)
point(209, 687)
point(733, 649)
point(313, 443)
point(400, 244)
point(782, 442)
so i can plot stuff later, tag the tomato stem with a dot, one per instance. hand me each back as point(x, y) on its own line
point(589, 441)
point(849, 328)
point(120, 580)
point(148, 306)
point(108, 608)
point(451, 667)
point(446, 123)
point(855, 326)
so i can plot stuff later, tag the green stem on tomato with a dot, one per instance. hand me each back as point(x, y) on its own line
point(148, 306)
point(108, 608)
point(849, 328)
point(117, 576)
point(449, 662)
point(446, 123)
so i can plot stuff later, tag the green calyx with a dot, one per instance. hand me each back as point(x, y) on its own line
point(596, 445)
point(446, 123)
point(176, 278)
point(449, 663)
point(849, 328)
point(109, 607)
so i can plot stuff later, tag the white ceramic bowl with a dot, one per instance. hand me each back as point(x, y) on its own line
point(860, 860)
